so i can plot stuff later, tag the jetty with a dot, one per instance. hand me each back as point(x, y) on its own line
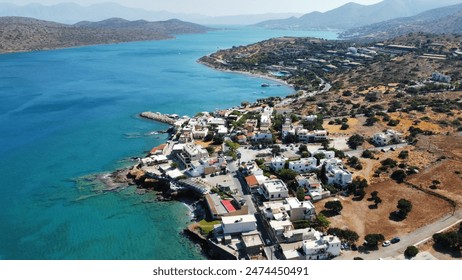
point(168, 119)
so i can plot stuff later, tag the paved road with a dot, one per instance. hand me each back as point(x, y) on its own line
point(414, 238)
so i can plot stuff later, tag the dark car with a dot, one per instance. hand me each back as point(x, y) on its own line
point(395, 240)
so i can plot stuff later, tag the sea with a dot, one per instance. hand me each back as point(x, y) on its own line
point(66, 115)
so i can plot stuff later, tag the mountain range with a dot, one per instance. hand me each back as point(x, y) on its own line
point(28, 34)
point(353, 15)
point(446, 20)
point(71, 13)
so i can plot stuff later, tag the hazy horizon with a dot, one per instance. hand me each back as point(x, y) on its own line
point(214, 7)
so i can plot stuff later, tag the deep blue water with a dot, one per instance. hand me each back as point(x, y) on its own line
point(69, 113)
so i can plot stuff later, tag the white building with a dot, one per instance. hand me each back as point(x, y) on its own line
point(238, 224)
point(288, 209)
point(275, 190)
point(327, 154)
point(304, 165)
point(262, 136)
point(192, 152)
point(314, 187)
point(300, 210)
point(278, 163)
point(386, 138)
point(322, 248)
point(337, 175)
point(438, 77)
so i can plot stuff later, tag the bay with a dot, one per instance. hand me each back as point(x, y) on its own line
point(73, 112)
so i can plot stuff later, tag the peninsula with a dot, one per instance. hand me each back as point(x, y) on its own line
point(363, 161)
point(19, 34)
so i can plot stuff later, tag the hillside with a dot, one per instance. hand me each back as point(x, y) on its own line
point(27, 34)
point(353, 15)
point(446, 20)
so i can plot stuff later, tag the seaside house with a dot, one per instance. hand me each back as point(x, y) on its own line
point(327, 154)
point(192, 152)
point(238, 224)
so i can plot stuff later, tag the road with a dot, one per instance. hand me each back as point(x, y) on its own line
point(414, 238)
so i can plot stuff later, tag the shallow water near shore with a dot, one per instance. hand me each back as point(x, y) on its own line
point(69, 113)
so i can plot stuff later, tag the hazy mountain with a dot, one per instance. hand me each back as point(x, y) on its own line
point(71, 13)
point(353, 15)
point(244, 19)
point(446, 20)
point(27, 34)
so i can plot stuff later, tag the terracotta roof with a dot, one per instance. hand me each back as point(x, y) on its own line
point(251, 180)
point(158, 148)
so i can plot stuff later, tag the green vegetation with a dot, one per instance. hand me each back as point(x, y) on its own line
point(367, 154)
point(355, 140)
point(403, 155)
point(334, 206)
point(399, 175)
point(411, 251)
point(373, 240)
point(207, 227)
point(344, 234)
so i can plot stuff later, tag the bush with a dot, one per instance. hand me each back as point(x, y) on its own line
point(344, 126)
point(399, 175)
point(367, 154)
point(334, 206)
point(403, 155)
point(411, 251)
point(355, 140)
point(373, 240)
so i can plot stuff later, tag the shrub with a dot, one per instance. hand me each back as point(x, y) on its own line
point(411, 251)
point(399, 175)
point(403, 155)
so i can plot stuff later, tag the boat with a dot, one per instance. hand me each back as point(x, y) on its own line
point(265, 85)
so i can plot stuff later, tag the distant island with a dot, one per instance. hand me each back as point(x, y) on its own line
point(20, 34)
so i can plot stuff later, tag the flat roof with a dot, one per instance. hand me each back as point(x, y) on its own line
point(214, 203)
point(275, 186)
point(239, 219)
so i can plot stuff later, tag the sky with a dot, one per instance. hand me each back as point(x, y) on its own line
point(217, 7)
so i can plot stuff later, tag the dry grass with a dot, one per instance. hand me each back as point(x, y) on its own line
point(357, 216)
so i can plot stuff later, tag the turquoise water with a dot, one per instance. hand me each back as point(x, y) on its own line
point(69, 113)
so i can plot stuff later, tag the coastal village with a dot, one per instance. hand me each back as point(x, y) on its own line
point(290, 178)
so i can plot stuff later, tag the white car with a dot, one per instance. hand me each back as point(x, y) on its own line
point(386, 243)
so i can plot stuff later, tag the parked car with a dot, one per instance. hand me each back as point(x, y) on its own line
point(386, 243)
point(395, 240)
point(268, 242)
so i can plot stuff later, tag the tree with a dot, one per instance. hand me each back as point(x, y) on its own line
point(344, 126)
point(355, 140)
point(357, 186)
point(322, 222)
point(335, 206)
point(398, 175)
point(344, 234)
point(218, 140)
point(373, 240)
point(411, 251)
point(287, 174)
point(404, 206)
point(367, 154)
point(301, 194)
point(403, 155)
point(303, 148)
